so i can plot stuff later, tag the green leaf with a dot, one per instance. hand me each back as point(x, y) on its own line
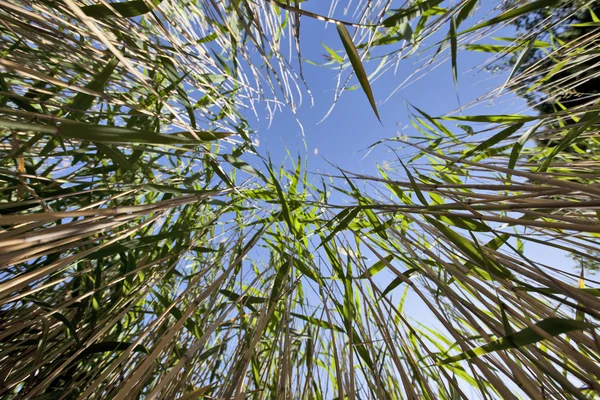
point(240, 164)
point(280, 279)
point(335, 56)
point(527, 8)
point(410, 13)
point(375, 268)
point(126, 9)
point(552, 326)
point(345, 217)
point(588, 119)
point(4, 88)
point(189, 323)
point(508, 330)
point(590, 291)
point(307, 271)
point(83, 101)
point(453, 50)
point(285, 208)
point(522, 57)
point(156, 188)
point(245, 300)
point(555, 70)
point(497, 138)
point(506, 118)
point(470, 249)
point(318, 322)
point(465, 11)
point(415, 186)
point(470, 224)
point(117, 157)
point(58, 316)
point(113, 134)
point(398, 281)
point(171, 72)
point(437, 124)
point(357, 65)
point(514, 154)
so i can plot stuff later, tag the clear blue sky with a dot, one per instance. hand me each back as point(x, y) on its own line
point(344, 136)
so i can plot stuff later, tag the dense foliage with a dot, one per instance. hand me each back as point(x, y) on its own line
point(142, 257)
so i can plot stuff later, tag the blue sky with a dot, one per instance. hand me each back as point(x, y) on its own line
point(343, 137)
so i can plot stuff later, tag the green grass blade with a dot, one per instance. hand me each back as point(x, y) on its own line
point(552, 326)
point(497, 138)
point(453, 50)
point(517, 12)
point(127, 9)
point(357, 65)
point(410, 13)
point(375, 268)
point(83, 101)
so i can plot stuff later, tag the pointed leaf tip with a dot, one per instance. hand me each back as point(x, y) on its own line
point(357, 65)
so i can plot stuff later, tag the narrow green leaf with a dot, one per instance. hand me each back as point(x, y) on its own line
point(508, 330)
point(465, 11)
point(357, 65)
point(470, 224)
point(497, 138)
point(507, 118)
point(117, 157)
point(307, 271)
point(318, 322)
point(522, 57)
point(280, 279)
point(189, 323)
point(127, 9)
point(171, 72)
point(588, 119)
point(285, 208)
point(437, 124)
point(345, 217)
point(245, 300)
point(398, 281)
point(453, 50)
point(525, 9)
point(407, 14)
point(590, 291)
point(375, 268)
point(335, 56)
point(83, 101)
point(3, 88)
point(415, 187)
point(552, 326)
point(514, 154)
point(470, 249)
point(58, 316)
point(555, 70)
point(580, 313)
point(240, 164)
point(113, 134)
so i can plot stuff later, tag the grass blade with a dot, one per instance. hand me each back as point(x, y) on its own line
point(552, 326)
point(127, 9)
point(357, 65)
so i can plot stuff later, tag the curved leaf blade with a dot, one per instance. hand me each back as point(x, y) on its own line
point(357, 65)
